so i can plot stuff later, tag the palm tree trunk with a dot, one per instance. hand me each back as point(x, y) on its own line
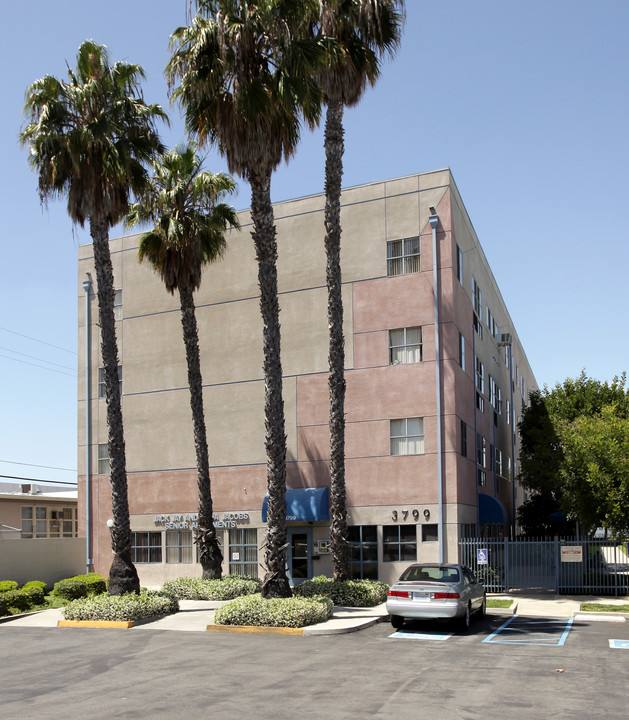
point(210, 554)
point(123, 576)
point(336, 381)
point(275, 583)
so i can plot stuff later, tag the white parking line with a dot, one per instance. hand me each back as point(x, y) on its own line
point(619, 644)
point(410, 635)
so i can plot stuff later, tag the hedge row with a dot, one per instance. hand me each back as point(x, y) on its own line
point(292, 612)
point(227, 588)
point(349, 593)
point(14, 601)
point(80, 586)
point(121, 607)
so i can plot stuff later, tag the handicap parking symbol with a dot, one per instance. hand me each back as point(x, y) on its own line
point(481, 556)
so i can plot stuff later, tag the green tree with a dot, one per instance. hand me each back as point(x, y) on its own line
point(357, 34)
point(244, 74)
point(184, 204)
point(89, 140)
point(566, 432)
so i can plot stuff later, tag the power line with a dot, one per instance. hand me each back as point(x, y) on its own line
point(41, 367)
point(46, 467)
point(37, 480)
point(28, 337)
point(32, 357)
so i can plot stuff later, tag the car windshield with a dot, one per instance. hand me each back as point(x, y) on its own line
point(430, 573)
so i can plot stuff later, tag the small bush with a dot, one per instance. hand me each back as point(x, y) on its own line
point(80, 586)
point(7, 585)
point(35, 593)
point(227, 588)
point(278, 612)
point(16, 600)
point(128, 607)
point(349, 593)
point(35, 583)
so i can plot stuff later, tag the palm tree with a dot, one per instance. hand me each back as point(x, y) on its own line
point(245, 84)
point(184, 204)
point(358, 33)
point(89, 139)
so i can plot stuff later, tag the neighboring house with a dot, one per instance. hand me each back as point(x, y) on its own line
point(429, 455)
point(37, 511)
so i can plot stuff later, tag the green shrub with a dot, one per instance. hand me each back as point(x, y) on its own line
point(349, 593)
point(4, 605)
point(227, 588)
point(121, 607)
point(16, 600)
point(80, 586)
point(35, 583)
point(278, 612)
point(6, 585)
point(35, 593)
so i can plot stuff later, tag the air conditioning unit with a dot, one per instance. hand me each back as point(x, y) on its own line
point(30, 489)
point(504, 339)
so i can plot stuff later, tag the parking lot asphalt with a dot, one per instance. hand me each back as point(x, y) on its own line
point(514, 666)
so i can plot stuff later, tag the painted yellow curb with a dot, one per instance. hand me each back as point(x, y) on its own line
point(121, 624)
point(266, 630)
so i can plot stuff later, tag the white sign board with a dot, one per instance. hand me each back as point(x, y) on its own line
point(571, 553)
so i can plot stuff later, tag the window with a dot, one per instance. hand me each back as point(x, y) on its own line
point(491, 323)
point(118, 305)
point(462, 351)
point(407, 436)
point(362, 541)
point(480, 402)
point(243, 552)
point(430, 533)
point(101, 381)
point(498, 462)
point(478, 298)
point(403, 256)
point(405, 346)
point(481, 477)
point(494, 395)
point(146, 547)
point(399, 542)
point(104, 468)
point(179, 546)
point(481, 450)
point(34, 522)
point(478, 328)
point(463, 438)
point(47, 522)
point(62, 522)
point(459, 264)
point(508, 412)
point(480, 376)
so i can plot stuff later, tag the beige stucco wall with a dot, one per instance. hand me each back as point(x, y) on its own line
point(45, 560)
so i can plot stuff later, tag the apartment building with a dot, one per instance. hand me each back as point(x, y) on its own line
point(436, 377)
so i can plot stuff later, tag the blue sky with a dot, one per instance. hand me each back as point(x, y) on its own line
point(526, 102)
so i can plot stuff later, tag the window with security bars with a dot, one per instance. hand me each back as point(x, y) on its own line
point(179, 546)
point(403, 256)
point(362, 542)
point(407, 436)
point(405, 346)
point(399, 542)
point(243, 552)
point(146, 547)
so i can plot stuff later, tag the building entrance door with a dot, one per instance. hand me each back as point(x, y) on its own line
point(299, 555)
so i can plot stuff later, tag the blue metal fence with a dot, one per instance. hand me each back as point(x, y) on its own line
point(565, 565)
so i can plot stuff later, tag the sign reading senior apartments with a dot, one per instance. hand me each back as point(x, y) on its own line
point(190, 521)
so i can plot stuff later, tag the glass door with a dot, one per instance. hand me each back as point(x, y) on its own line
point(299, 555)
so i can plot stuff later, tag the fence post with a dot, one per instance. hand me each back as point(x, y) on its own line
point(506, 564)
point(557, 564)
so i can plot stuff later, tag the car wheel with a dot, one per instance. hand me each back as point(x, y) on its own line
point(464, 621)
point(483, 608)
point(397, 621)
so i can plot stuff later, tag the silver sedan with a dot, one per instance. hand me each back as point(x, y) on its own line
point(444, 592)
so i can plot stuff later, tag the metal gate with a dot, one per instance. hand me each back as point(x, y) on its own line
point(565, 565)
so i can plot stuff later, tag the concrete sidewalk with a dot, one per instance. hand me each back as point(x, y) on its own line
point(196, 615)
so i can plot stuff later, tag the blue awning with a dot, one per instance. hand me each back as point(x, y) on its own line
point(491, 511)
point(304, 505)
